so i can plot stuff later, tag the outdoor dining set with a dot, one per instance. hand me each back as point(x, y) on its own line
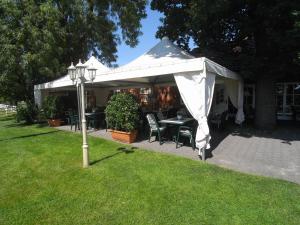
point(94, 119)
point(176, 126)
point(180, 128)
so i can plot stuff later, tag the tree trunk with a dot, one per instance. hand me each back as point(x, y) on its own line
point(265, 108)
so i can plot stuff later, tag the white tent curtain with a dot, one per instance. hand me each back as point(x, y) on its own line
point(232, 91)
point(196, 90)
point(235, 90)
point(38, 97)
point(240, 117)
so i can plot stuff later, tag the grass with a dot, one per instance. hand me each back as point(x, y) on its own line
point(42, 182)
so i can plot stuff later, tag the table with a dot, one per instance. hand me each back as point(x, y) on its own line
point(94, 113)
point(176, 121)
point(93, 119)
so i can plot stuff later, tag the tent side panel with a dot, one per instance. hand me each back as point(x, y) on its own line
point(196, 90)
point(38, 97)
point(220, 70)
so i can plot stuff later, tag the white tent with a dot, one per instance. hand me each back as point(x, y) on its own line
point(65, 81)
point(164, 63)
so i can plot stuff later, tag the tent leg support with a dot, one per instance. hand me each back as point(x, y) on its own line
point(202, 153)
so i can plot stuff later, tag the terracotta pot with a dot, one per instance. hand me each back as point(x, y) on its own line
point(54, 122)
point(127, 137)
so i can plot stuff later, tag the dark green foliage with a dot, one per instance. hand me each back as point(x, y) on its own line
point(39, 39)
point(254, 38)
point(52, 107)
point(26, 112)
point(122, 112)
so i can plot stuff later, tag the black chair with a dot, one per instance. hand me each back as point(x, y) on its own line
point(155, 128)
point(186, 132)
point(74, 121)
point(93, 121)
point(67, 116)
point(219, 119)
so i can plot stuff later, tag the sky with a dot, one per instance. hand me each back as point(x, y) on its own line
point(146, 41)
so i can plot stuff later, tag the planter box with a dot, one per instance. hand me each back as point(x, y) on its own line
point(54, 122)
point(127, 137)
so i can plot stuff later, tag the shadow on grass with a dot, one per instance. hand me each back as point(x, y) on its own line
point(42, 124)
point(120, 151)
point(6, 118)
point(16, 125)
point(29, 135)
point(23, 124)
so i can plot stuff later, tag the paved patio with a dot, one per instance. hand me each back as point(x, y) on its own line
point(275, 154)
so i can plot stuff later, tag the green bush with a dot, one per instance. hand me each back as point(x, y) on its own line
point(26, 111)
point(52, 107)
point(122, 112)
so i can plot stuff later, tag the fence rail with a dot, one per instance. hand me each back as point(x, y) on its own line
point(7, 109)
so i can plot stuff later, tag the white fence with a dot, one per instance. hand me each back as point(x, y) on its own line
point(8, 108)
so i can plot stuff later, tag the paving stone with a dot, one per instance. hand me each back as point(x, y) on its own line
point(275, 154)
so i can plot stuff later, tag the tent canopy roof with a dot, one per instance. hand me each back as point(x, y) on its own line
point(164, 52)
point(164, 59)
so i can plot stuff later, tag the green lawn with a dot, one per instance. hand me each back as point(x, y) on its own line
point(42, 182)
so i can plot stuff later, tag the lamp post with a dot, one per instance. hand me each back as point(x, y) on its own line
point(77, 73)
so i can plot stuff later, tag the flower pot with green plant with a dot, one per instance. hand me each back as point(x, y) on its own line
point(52, 110)
point(122, 117)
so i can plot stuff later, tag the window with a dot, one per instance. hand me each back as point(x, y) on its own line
point(287, 97)
point(145, 91)
point(297, 94)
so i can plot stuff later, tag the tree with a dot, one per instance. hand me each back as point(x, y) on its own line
point(39, 38)
point(258, 39)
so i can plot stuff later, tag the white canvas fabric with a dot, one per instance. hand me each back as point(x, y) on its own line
point(235, 90)
point(65, 81)
point(195, 78)
point(240, 116)
point(164, 52)
point(38, 97)
point(232, 91)
point(165, 58)
point(196, 90)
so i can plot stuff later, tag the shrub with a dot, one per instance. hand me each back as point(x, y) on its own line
point(52, 107)
point(122, 112)
point(26, 111)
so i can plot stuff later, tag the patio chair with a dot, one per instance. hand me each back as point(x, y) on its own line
point(219, 119)
point(160, 115)
point(74, 121)
point(155, 128)
point(67, 116)
point(186, 132)
point(92, 121)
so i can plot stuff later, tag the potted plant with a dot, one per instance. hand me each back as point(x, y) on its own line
point(122, 117)
point(52, 109)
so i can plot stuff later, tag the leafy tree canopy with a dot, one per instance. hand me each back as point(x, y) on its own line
point(39, 38)
point(249, 36)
